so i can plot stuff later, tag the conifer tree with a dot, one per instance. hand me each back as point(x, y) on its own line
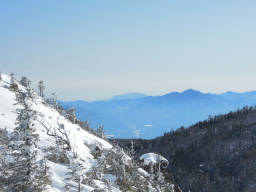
point(25, 82)
point(72, 115)
point(4, 159)
point(27, 174)
point(75, 177)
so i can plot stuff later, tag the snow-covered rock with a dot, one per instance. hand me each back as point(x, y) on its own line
point(143, 172)
point(153, 158)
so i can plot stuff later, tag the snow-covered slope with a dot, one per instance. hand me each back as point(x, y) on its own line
point(7, 108)
point(80, 140)
point(96, 160)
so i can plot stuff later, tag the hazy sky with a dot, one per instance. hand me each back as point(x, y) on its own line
point(92, 49)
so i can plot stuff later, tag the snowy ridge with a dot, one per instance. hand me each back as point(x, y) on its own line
point(91, 161)
point(79, 139)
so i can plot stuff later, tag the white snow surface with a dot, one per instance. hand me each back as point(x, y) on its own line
point(152, 158)
point(143, 172)
point(7, 108)
point(81, 141)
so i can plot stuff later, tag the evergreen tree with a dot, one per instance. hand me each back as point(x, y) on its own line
point(5, 171)
point(25, 82)
point(71, 115)
point(75, 177)
point(13, 85)
point(27, 174)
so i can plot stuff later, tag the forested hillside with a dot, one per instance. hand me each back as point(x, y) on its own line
point(215, 155)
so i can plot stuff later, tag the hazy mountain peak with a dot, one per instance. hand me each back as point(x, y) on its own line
point(191, 92)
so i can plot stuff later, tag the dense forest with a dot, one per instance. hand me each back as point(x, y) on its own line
point(215, 155)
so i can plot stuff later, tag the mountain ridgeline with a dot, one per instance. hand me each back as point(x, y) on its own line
point(215, 155)
point(140, 116)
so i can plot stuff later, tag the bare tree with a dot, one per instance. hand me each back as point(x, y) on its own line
point(100, 132)
point(12, 79)
point(41, 88)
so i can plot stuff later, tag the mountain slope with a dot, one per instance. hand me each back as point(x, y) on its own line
point(148, 117)
point(41, 150)
point(216, 155)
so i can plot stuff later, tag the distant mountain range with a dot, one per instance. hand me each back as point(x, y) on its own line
point(127, 96)
point(139, 116)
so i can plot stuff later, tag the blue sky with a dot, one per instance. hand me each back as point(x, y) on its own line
point(95, 49)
